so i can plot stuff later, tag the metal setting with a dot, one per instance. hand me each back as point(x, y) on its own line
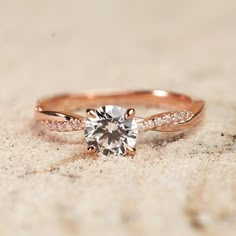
point(59, 114)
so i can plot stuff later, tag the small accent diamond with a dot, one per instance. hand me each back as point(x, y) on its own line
point(168, 119)
point(150, 124)
point(176, 118)
point(159, 121)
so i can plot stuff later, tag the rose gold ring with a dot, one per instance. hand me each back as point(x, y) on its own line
point(112, 129)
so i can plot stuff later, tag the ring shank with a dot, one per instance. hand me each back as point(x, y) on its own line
point(62, 107)
point(157, 98)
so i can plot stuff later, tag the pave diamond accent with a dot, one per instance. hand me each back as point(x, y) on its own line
point(109, 132)
point(159, 121)
point(167, 119)
point(64, 126)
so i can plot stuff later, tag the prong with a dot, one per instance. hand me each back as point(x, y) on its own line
point(131, 151)
point(91, 150)
point(38, 109)
point(130, 113)
point(91, 113)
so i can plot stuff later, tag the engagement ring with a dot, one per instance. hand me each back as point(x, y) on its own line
point(113, 129)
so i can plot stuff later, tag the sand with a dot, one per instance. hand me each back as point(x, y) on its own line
point(49, 186)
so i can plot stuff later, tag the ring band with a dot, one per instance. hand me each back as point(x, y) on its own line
point(111, 129)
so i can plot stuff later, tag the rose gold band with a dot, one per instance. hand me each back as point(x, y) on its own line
point(60, 113)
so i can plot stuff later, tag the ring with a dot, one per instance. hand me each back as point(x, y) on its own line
point(113, 129)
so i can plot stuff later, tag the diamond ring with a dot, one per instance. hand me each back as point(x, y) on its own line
point(113, 129)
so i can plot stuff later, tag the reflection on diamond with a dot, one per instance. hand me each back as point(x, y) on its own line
point(109, 132)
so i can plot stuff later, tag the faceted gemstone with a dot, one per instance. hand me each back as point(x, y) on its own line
point(176, 117)
point(168, 119)
point(159, 121)
point(110, 132)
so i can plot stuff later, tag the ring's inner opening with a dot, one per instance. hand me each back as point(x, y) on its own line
point(157, 98)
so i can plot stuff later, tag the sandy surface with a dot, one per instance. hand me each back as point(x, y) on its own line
point(185, 187)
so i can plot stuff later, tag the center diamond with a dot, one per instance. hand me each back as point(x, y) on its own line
point(110, 130)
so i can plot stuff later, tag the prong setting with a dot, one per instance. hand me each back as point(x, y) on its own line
point(130, 113)
point(91, 113)
point(130, 151)
point(112, 130)
point(91, 149)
